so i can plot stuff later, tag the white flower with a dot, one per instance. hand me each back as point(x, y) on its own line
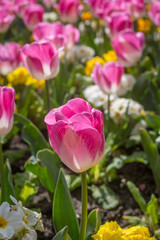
point(30, 235)
point(50, 16)
point(127, 83)
point(81, 53)
point(9, 221)
point(122, 106)
point(141, 124)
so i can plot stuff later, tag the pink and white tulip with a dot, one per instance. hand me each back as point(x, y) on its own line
point(154, 12)
point(69, 10)
point(7, 104)
point(9, 57)
point(108, 77)
point(118, 22)
point(135, 8)
point(20, 6)
point(5, 20)
point(40, 59)
point(128, 46)
point(76, 133)
point(49, 31)
point(33, 14)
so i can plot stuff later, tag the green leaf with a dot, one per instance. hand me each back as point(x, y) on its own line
point(157, 234)
point(135, 221)
point(137, 196)
point(62, 234)
point(152, 209)
point(63, 211)
point(152, 154)
point(14, 155)
point(93, 223)
point(9, 188)
point(26, 186)
point(73, 181)
point(153, 121)
point(31, 134)
point(45, 166)
point(105, 197)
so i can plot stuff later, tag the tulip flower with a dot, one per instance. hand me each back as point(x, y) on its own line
point(9, 57)
point(49, 31)
point(20, 6)
point(108, 76)
point(118, 22)
point(128, 46)
point(40, 59)
point(48, 3)
point(69, 10)
point(5, 20)
point(7, 104)
point(135, 8)
point(154, 12)
point(33, 14)
point(76, 134)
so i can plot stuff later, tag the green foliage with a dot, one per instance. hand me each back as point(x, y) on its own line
point(9, 187)
point(62, 235)
point(93, 223)
point(105, 197)
point(63, 211)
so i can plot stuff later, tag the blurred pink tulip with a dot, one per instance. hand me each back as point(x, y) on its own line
point(9, 57)
point(33, 14)
point(69, 10)
point(154, 12)
point(108, 76)
point(7, 6)
point(48, 3)
point(135, 8)
point(40, 59)
point(128, 46)
point(7, 96)
point(20, 6)
point(68, 32)
point(5, 20)
point(118, 22)
point(76, 134)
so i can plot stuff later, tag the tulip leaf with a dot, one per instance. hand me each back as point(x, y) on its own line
point(152, 155)
point(152, 209)
point(9, 188)
point(137, 196)
point(63, 210)
point(62, 235)
point(31, 134)
point(135, 221)
point(105, 197)
point(46, 167)
point(93, 223)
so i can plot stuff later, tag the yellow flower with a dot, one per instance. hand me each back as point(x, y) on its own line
point(22, 76)
point(86, 16)
point(144, 25)
point(110, 56)
point(137, 233)
point(90, 64)
point(1, 81)
point(109, 231)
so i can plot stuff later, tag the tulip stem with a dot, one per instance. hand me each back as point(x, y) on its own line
point(47, 96)
point(84, 206)
point(108, 105)
point(2, 176)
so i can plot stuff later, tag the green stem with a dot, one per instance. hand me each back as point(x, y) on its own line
point(84, 206)
point(108, 112)
point(47, 96)
point(2, 176)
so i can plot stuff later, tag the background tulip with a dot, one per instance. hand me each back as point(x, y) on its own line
point(9, 57)
point(128, 46)
point(108, 76)
point(40, 59)
point(7, 104)
point(69, 10)
point(154, 12)
point(20, 6)
point(33, 14)
point(76, 134)
point(5, 20)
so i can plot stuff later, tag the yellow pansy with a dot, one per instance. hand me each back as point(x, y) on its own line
point(110, 56)
point(137, 233)
point(90, 64)
point(144, 25)
point(109, 231)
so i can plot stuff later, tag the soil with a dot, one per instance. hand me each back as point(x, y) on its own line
point(136, 172)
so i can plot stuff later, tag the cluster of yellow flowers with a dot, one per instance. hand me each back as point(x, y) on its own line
point(112, 231)
point(109, 56)
point(21, 76)
point(144, 25)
